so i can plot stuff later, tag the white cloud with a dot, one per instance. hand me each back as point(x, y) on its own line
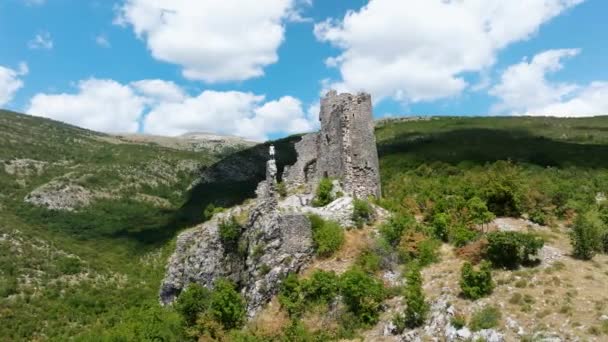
point(396, 49)
point(166, 109)
point(102, 105)
point(525, 89)
point(228, 112)
point(41, 41)
point(213, 40)
point(159, 90)
point(102, 41)
point(10, 82)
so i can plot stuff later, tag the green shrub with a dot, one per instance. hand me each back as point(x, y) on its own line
point(478, 211)
point(292, 296)
point(362, 213)
point(323, 194)
point(511, 249)
point(586, 235)
point(211, 210)
point(460, 235)
point(328, 236)
point(282, 189)
point(192, 302)
point(416, 246)
point(416, 306)
point(230, 233)
point(369, 261)
point(362, 294)
point(440, 225)
point(487, 318)
point(226, 305)
point(459, 321)
point(605, 242)
point(392, 230)
point(476, 283)
point(321, 287)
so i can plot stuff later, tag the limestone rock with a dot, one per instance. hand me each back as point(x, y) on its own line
point(276, 244)
point(60, 195)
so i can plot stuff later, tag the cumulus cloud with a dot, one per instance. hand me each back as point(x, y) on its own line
point(101, 105)
point(396, 49)
point(159, 90)
point(229, 112)
point(164, 108)
point(42, 41)
point(10, 82)
point(213, 40)
point(525, 89)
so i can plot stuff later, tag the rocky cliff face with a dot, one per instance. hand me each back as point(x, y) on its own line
point(272, 245)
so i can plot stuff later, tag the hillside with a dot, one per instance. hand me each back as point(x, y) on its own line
point(93, 269)
point(121, 202)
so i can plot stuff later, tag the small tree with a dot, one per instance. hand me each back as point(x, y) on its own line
point(476, 284)
point(440, 225)
point(227, 305)
point(323, 195)
point(417, 308)
point(192, 302)
point(479, 212)
point(586, 235)
point(362, 294)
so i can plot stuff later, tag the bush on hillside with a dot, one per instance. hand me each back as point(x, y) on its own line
point(292, 295)
point(476, 283)
point(192, 302)
point(512, 249)
point(226, 305)
point(441, 225)
point(416, 306)
point(321, 287)
point(392, 230)
point(363, 213)
point(460, 235)
point(363, 295)
point(327, 236)
point(230, 233)
point(486, 318)
point(586, 235)
point(323, 194)
point(419, 247)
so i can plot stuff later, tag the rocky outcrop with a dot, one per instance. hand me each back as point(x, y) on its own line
point(344, 149)
point(276, 238)
point(272, 245)
point(59, 195)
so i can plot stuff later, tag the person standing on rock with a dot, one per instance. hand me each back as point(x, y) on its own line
point(271, 151)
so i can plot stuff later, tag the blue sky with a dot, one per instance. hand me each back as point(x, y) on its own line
point(257, 68)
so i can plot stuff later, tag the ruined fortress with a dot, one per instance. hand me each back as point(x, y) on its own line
point(276, 237)
point(344, 149)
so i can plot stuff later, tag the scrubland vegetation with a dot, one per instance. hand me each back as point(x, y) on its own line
point(93, 274)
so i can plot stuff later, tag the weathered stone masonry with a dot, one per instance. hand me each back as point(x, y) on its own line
point(344, 149)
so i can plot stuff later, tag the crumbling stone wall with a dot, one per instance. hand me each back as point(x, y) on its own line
point(344, 149)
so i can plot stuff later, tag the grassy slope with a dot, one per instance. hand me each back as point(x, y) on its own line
point(66, 273)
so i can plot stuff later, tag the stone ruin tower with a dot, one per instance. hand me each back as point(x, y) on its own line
point(344, 149)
